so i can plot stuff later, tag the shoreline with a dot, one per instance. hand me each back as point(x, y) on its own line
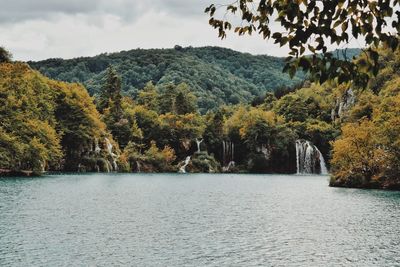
point(13, 173)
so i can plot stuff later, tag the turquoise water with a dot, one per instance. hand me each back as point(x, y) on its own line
point(195, 220)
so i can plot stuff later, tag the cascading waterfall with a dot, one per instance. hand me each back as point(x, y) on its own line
point(114, 157)
point(228, 155)
point(186, 162)
point(230, 165)
point(97, 149)
point(309, 159)
point(324, 169)
point(198, 142)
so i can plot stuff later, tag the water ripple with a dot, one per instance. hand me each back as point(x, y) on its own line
point(197, 220)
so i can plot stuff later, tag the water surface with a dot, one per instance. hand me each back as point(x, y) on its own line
point(195, 220)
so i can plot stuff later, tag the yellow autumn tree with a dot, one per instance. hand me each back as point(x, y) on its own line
point(358, 158)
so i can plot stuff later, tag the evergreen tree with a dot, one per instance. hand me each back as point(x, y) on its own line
point(214, 134)
point(185, 101)
point(177, 100)
point(111, 92)
point(167, 99)
point(110, 105)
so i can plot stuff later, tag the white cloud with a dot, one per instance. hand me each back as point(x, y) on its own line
point(40, 29)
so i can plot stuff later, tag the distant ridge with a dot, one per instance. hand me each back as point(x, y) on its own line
point(216, 75)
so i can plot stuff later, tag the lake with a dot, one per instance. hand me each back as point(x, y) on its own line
point(195, 220)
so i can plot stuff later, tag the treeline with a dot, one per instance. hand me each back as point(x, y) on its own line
point(217, 76)
point(50, 125)
point(158, 129)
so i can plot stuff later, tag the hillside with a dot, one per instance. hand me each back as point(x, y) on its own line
point(216, 75)
point(48, 125)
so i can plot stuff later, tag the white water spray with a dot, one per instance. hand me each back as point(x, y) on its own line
point(198, 142)
point(228, 155)
point(309, 159)
point(114, 157)
point(186, 162)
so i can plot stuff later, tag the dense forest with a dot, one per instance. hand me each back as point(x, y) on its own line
point(216, 75)
point(58, 126)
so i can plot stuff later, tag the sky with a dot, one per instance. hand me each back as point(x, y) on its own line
point(41, 29)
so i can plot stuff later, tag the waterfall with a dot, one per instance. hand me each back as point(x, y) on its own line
point(109, 146)
point(309, 159)
point(43, 166)
point(324, 170)
point(223, 153)
point(138, 166)
point(229, 166)
point(186, 162)
point(113, 156)
point(228, 155)
point(198, 142)
point(96, 146)
point(233, 151)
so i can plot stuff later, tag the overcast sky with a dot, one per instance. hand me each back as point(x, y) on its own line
point(40, 29)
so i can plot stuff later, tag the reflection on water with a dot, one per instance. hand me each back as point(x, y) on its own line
point(195, 220)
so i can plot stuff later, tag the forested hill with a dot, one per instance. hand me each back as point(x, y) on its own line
point(216, 75)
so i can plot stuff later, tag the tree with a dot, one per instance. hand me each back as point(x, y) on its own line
point(45, 124)
point(216, 75)
point(269, 99)
point(5, 56)
point(214, 133)
point(110, 105)
point(177, 99)
point(111, 91)
point(310, 25)
point(167, 99)
point(179, 131)
point(185, 101)
point(148, 97)
point(358, 157)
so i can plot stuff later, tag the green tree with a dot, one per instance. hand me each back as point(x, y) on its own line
point(214, 133)
point(177, 99)
point(216, 75)
point(111, 91)
point(269, 100)
point(148, 97)
point(185, 101)
point(310, 26)
point(110, 105)
point(167, 99)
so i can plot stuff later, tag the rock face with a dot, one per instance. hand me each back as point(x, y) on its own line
point(199, 163)
point(265, 151)
point(343, 104)
point(98, 156)
point(309, 159)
